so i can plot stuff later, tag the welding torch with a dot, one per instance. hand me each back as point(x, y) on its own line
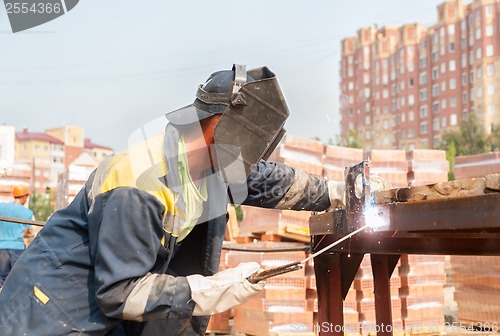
point(297, 265)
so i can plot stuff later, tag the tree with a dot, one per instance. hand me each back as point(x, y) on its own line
point(494, 138)
point(351, 140)
point(470, 139)
point(41, 206)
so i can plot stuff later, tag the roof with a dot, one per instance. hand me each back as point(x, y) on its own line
point(25, 135)
point(88, 144)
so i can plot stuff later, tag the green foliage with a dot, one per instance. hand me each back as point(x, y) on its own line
point(239, 213)
point(494, 138)
point(470, 139)
point(41, 206)
point(352, 140)
point(451, 152)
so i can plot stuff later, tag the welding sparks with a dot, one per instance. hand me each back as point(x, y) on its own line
point(375, 219)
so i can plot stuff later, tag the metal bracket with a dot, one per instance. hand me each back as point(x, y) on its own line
point(356, 197)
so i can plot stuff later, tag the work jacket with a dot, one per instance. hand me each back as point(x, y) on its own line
point(111, 256)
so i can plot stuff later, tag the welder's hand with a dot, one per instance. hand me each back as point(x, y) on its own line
point(336, 193)
point(223, 290)
point(336, 189)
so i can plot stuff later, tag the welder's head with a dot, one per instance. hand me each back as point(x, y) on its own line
point(246, 112)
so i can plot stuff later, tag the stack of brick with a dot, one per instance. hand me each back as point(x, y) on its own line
point(426, 166)
point(390, 164)
point(422, 281)
point(301, 153)
point(337, 158)
point(476, 165)
point(287, 223)
point(283, 307)
point(365, 298)
point(477, 290)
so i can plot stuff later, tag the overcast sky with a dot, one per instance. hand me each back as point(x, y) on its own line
point(111, 66)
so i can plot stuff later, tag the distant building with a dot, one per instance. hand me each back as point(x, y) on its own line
point(402, 87)
point(45, 154)
point(73, 138)
point(97, 152)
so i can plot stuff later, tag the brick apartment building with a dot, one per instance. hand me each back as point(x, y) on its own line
point(402, 87)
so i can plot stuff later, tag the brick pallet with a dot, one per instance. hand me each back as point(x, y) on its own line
point(476, 165)
point(477, 288)
point(426, 166)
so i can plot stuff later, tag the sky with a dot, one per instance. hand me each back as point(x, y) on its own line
point(112, 66)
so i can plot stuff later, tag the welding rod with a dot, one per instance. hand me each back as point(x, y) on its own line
point(259, 276)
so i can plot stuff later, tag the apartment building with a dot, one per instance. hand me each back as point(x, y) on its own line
point(45, 155)
point(402, 87)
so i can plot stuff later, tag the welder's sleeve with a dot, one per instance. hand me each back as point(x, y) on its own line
point(275, 185)
point(127, 246)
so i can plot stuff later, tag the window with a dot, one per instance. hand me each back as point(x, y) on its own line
point(350, 86)
point(443, 86)
point(435, 90)
point(491, 89)
point(435, 73)
point(367, 120)
point(385, 93)
point(422, 62)
point(478, 33)
point(422, 78)
point(479, 92)
point(434, 56)
point(411, 116)
point(463, 61)
point(366, 78)
point(471, 95)
point(423, 128)
point(435, 124)
point(489, 11)
point(411, 100)
point(453, 83)
point(471, 57)
point(443, 103)
point(423, 111)
point(410, 66)
point(441, 50)
point(410, 83)
point(463, 24)
point(452, 46)
point(386, 124)
point(452, 65)
point(479, 53)
point(453, 101)
point(464, 79)
point(403, 117)
point(443, 68)
point(423, 94)
point(443, 122)
point(451, 29)
point(435, 107)
point(453, 119)
point(463, 43)
point(490, 69)
point(491, 109)
point(367, 135)
point(489, 50)
point(464, 97)
point(489, 30)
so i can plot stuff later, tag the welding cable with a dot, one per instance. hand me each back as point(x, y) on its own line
point(268, 249)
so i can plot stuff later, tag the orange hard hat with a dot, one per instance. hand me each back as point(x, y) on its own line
point(20, 191)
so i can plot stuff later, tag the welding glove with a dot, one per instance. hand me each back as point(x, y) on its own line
point(336, 189)
point(223, 290)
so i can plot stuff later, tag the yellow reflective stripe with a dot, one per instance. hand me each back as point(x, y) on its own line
point(40, 295)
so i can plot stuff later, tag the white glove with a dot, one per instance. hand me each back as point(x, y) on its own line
point(336, 189)
point(223, 290)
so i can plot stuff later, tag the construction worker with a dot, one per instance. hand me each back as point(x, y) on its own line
point(137, 252)
point(12, 235)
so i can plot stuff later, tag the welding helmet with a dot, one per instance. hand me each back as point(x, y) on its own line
point(253, 112)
